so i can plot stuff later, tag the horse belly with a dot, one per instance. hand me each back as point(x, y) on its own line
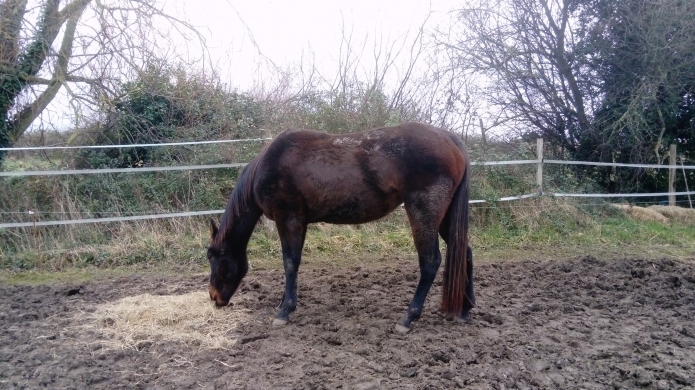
point(354, 209)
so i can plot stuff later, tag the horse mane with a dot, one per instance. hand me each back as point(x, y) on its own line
point(240, 198)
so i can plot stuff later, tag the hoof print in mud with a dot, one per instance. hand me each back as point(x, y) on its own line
point(333, 340)
point(409, 372)
point(248, 339)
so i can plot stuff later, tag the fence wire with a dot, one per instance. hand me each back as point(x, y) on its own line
point(238, 165)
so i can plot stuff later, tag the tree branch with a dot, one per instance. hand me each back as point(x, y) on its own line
point(22, 121)
point(11, 16)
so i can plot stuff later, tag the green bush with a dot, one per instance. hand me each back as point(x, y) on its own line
point(168, 104)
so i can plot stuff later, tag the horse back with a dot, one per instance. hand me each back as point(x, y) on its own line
point(356, 177)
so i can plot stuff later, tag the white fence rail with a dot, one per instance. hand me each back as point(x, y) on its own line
point(600, 164)
point(69, 147)
point(110, 219)
point(186, 168)
point(118, 170)
point(238, 165)
point(540, 161)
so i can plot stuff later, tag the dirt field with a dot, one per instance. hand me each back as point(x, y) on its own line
point(583, 323)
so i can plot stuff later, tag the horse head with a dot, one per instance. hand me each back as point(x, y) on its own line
point(226, 269)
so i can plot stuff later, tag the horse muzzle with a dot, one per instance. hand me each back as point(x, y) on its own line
point(215, 296)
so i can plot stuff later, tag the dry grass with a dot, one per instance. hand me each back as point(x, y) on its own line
point(642, 214)
point(534, 212)
point(582, 218)
point(676, 214)
point(142, 320)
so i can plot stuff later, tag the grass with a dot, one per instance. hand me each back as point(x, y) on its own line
point(533, 229)
point(25, 163)
point(613, 238)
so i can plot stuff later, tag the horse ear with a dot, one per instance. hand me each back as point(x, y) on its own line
point(213, 229)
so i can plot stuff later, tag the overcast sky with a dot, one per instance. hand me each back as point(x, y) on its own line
point(287, 30)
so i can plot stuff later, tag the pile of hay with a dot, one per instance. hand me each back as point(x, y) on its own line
point(139, 321)
point(676, 214)
point(641, 213)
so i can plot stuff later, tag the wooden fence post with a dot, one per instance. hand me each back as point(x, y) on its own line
point(539, 172)
point(672, 174)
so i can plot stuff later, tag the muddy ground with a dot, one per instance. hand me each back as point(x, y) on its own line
point(585, 323)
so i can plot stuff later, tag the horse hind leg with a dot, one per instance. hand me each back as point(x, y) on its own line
point(425, 213)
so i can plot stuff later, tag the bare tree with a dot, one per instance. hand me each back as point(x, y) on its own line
point(446, 95)
point(373, 84)
point(84, 47)
point(524, 56)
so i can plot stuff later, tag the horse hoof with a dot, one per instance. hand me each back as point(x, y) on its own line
point(466, 318)
point(279, 322)
point(402, 329)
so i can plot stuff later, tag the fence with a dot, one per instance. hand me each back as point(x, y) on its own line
point(539, 162)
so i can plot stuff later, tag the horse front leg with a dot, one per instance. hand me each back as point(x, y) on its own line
point(292, 232)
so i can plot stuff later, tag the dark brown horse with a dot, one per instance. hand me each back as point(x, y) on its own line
point(305, 176)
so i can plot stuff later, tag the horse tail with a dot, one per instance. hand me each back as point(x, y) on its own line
point(455, 266)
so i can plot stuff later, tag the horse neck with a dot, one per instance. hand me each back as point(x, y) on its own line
point(237, 225)
point(242, 212)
